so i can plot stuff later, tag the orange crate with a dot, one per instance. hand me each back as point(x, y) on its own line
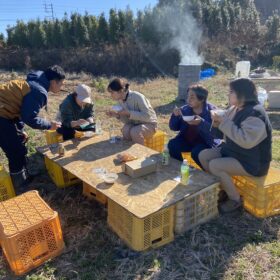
point(156, 142)
point(140, 234)
point(30, 232)
point(93, 193)
point(59, 175)
point(188, 157)
point(6, 186)
point(53, 137)
point(196, 209)
point(261, 195)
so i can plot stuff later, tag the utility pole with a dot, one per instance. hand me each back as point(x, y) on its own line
point(49, 10)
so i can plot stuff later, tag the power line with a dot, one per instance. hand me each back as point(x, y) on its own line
point(49, 10)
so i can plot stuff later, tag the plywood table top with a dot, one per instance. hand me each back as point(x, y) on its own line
point(141, 196)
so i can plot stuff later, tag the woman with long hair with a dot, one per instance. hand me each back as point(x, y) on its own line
point(246, 150)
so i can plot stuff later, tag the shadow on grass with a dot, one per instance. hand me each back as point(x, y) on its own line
point(209, 249)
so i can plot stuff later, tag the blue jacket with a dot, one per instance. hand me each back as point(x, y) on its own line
point(35, 100)
point(176, 123)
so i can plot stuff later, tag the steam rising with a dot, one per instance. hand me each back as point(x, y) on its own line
point(185, 34)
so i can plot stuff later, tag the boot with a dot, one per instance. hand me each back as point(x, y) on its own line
point(222, 196)
point(20, 181)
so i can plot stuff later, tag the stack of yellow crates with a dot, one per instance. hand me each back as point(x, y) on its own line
point(196, 209)
point(261, 195)
point(6, 186)
point(93, 193)
point(60, 176)
point(140, 234)
point(157, 141)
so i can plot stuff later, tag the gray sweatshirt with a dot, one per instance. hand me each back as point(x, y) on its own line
point(139, 108)
point(251, 132)
point(248, 138)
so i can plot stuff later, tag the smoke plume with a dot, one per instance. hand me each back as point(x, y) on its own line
point(182, 32)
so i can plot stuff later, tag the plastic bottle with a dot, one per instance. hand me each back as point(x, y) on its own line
point(185, 172)
point(61, 150)
point(165, 156)
point(112, 136)
point(98, 129)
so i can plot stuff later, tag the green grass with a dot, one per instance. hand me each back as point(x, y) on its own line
point(276, 149)
point(237, 246)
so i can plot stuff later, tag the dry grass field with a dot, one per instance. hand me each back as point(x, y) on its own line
point(237, 246)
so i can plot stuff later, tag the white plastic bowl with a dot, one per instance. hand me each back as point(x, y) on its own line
point(89, 134)
point(188, 118)
point(220, 112)
point(117, 108)
point(110, 178)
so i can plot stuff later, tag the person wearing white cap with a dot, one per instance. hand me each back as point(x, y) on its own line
point(76, 112)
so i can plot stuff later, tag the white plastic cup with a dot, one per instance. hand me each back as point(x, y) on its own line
point(112, 135)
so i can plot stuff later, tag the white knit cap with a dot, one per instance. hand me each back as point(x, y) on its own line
point(83, 93)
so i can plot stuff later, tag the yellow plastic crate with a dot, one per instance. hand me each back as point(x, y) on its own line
point(6, 186)
point(60, 176)
point(93, 193)
point(196, 209)
point(53, 137)
point(30, 232)
point(188, 157)
point(140, 234)
point(261, 195)
point(156, 142)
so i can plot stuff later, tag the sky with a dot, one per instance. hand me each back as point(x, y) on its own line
point(13, 10)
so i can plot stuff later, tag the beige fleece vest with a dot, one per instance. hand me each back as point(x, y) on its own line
point(11, 96)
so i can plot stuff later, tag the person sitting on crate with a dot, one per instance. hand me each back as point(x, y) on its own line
point(246, 150)
point(137, 114)
point(20, 103)
point(194, 133)
point(76, 112)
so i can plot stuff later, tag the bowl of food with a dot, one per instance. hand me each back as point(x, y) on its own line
point(117, 108)
point(110, 178)
point(188, 118)
point(88, 134)
point(219, 112)
point(84, 125)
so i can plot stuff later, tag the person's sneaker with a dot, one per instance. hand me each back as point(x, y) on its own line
point(230, 206)
point(222, 196)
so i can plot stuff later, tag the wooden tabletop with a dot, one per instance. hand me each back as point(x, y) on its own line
point(140, 196)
